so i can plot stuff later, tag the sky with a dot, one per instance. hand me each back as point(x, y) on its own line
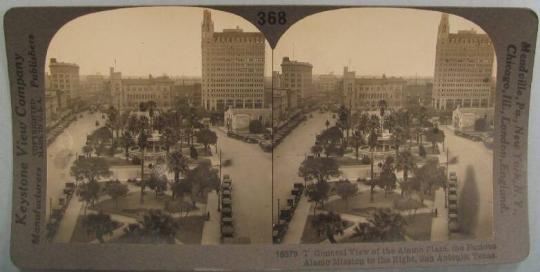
point(166, 40)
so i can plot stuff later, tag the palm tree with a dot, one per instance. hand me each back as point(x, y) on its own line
point(398, 138)
point(177, 163)
point(99, 224)
point(329, 224)
point(382, 104)
point(372, 143)
point(357, 141)
point(405, 161)
point(384, 226)
point(142, 142)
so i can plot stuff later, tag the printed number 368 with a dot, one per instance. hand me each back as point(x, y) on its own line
point(272, 18)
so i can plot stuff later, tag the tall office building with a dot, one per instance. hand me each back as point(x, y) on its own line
point(297, 77)
point(463, 69)
point(232, 67)
point(64, 78)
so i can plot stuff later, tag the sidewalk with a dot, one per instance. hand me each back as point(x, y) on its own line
point(67, 225)
point(439, 225)
point(298, 222)
point(211, 233)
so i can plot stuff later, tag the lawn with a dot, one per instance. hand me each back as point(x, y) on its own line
point(419, 226)
point(189, 232)
point(79, 232)
point(311, 235)
point(360, 203)
point(130, 205)
point(191, 229)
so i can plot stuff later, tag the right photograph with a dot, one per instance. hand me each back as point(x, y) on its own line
point(382, 126)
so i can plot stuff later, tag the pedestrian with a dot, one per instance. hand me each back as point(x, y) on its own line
point(207, 216)
point(436, 212)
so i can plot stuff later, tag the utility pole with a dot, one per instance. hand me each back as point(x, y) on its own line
point(220, 183)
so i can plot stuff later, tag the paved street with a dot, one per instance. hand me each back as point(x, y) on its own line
point(252, 183)
point(62, 152)
point(289, 155)
point(475, 164)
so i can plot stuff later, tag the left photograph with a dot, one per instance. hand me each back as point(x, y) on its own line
point(157, 120)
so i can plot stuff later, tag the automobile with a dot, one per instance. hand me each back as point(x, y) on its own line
point(226, 203)
point(226, 177)
point(278, 232)
point(226, 186)
point(453, 225)
point(251, 140)
point(225, 220)
point(266, 146)
point(226, 212)
point(226, 193)
point(227, 231)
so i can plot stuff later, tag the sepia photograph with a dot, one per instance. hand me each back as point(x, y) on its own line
point(181, 125)
point(383, 126)
point(269, 137)
point(154, 117)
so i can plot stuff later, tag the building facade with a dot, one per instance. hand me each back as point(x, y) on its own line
point(64, 77)
point(129, 93)
point(297, 77)
point(463, 69)
point(366, 93)
point(232, 67)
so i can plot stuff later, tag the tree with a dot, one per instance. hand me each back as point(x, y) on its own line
point(422, 151)
point(89, 193)
point(357, 141)
point(317, 149)
point(126, 142)
point(202, 177)
point(319, 169)
point(168, 138)
point(193, 153)
point(385, 225)
point(142, 142)
point(179, 189)
point(330, 224)
point(206, 137)
point(346, 189)
point(90, 169)
point(405, 162)
point(177, 163)
point(157, 183)
point(372, 143)
point(256, 126)
point(327, 124)
point(388, 179)
point(116, 191)
point(155, 225)
point(430, 177)
point(99, 224)
point(382, 104)
point(481, 124)
point(87, 150)
point(398, 138)
point(434, 135)
point(318, 193)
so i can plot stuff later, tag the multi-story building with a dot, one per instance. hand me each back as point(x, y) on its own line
point(327, 83)
point(297, 77)
point(92, 87)
point(463, 68)
point(418, 93)
point(64, 77)
point(191, 92)
point(366, 93)
point(129, 93)
point(280, 105)
point(232, 67)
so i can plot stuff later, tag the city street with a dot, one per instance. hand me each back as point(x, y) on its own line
point(252, 183)
point(475, 164)
point(289, 155)
point(62, 152)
